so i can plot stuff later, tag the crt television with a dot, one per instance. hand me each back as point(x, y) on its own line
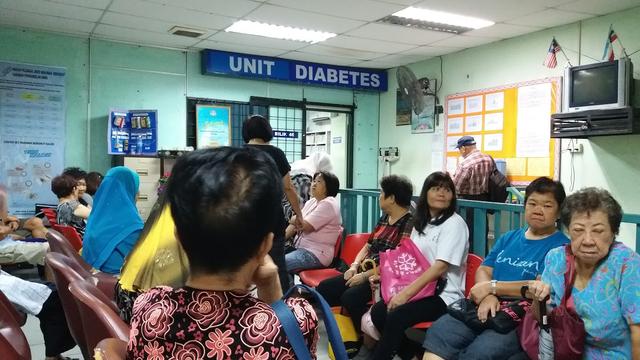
point(603, 85)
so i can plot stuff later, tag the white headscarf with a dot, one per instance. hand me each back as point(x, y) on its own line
point(317, 161)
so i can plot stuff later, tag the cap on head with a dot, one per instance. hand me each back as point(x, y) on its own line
point(465, 141)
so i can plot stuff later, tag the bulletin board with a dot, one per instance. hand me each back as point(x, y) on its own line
point(510, 123)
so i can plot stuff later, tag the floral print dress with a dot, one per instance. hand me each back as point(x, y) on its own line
point(188, 323)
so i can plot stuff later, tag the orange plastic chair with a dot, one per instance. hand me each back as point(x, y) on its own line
point(473, 263)
point(353, 243)
point(13, 342)
point(71, 234)
point(99, 320)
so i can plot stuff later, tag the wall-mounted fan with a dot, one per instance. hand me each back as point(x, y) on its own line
point(421, 94)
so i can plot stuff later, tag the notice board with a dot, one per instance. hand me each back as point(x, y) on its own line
point(510, 123)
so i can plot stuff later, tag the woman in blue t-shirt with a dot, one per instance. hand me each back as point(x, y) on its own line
point(516, 258)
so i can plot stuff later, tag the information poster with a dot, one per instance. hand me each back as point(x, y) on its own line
point(32, 133)
point(133, 132)
point(213, 126)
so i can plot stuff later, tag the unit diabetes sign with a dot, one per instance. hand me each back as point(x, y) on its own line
point(235, 64)
point(133, 132)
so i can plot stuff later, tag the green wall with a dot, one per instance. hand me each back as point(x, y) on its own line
point(610, 162)
point(102, 75)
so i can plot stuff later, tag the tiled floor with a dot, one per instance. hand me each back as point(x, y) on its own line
point(32, 330)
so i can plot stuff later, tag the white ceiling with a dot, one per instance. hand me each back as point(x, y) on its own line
point(360, 41)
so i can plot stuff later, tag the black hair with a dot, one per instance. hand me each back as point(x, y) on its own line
point(256, 127)
point(224, 201)
point(544, 185)
point(398, 186)
point(592, 199)
point(63, 185)
point(330, 180)
point(422, 216)
point(93, 180)
point(75, 172)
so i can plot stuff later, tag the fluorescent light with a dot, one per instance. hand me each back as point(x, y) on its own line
point(278, 31)
point(442, 17)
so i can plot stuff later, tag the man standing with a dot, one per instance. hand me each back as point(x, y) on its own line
point(472, 176)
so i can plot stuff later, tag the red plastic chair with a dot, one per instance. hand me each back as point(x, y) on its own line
point(60, 244)
point(18, 316)
point(71, 234)
point(353, 243)
point(112, 349)
point(51, 215)
point(13, 342)
point(99, 320)
point(473, 263)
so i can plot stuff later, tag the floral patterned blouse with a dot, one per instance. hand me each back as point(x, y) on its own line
point(188, 323)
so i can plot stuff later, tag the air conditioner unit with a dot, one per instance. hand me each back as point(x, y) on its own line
point(584, 124)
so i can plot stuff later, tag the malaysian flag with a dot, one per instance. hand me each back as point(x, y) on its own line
point(551, 60)
point(608, 45)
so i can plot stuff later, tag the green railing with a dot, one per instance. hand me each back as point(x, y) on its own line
point(361, 210)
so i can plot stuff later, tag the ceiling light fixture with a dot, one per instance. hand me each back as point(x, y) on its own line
point(435, 20)
point(278, 31)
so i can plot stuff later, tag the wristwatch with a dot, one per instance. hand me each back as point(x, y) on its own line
point(494, 287)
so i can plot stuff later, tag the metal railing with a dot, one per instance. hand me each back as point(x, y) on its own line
point(361, 211)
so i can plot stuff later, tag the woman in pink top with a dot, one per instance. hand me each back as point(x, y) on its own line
point(321, 226)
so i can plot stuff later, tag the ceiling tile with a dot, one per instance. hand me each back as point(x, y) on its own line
point(255, 50)
point(53, 9)
point(252, 40)
point(322, 59)
point(341, 52)
point(235, 8)
point(376, 64)
point(599, 7)
point(171, 14)
point(465, 41)
point(43, 22)
point(549, 18)
point(296, 18)
point(396, 33)
point(366, 44)
point(503, 31)
point(401, 2)
point(94, 4)
point(402, 59)
point(137, 22)
point(431, 51)
point(494, 10)
point(352, 9)
point(143, 37)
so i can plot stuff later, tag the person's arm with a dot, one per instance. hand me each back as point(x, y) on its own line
point(290, 231)
point(82, 211)
point(635, 341)
point(436, 270)
point(292, 196)
point(267, 281)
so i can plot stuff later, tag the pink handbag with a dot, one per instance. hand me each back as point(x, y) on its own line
point(400, 267)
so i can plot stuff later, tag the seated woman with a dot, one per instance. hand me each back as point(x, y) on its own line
point(441, 235)
point(70, 211)
point(81, 180)
point(352, 290)
point(320, 228)
point(516, 258)
point(605, 291)
point(93, 180)
point(302, 172)
point(224, 207)
point(115, 224)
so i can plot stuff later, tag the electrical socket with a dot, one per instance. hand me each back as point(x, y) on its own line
point(576, 148)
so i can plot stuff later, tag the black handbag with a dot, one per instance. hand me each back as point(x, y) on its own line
point(507, 319)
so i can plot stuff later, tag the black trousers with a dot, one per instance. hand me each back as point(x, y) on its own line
point(277, 254)
point(53, 324)
point(392, 324)
point(354, 299)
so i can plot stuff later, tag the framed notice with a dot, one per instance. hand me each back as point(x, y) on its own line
point(213, 126)
point(132, 132)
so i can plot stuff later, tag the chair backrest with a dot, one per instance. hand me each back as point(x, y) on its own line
point(112, 349)
point(337, 246)
point(13, 342)
point(99, 320)
point(51, 215)
point(473, 263)
point(18, 316)
point(64, 274)
point(60, 244)
point(71, 234)
point(353, 243)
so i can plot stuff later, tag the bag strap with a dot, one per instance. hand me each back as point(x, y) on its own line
point(291, 329)
point(333, 332)
point(569, 275)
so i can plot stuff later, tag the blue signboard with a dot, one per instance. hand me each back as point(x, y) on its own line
point(285, 134)
point(261, 67)
point(132, 132)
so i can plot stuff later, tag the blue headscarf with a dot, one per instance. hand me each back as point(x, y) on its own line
point(114, 224)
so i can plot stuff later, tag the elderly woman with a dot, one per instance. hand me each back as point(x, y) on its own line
point(320, 228)
point(302, 172)
point(115, 224)
point(224, 207)
point(69, 211)
point(605, 291)
point(516, 258)
point(352, 290)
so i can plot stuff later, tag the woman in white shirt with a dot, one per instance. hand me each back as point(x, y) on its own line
point(442, 237)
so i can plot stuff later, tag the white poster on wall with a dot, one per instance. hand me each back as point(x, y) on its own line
point(454, 125)
point(473, 123)
point(493, 121)
point(32, 132)
point(473, 104)
point(534, 112)
point(455, 106)
point(494, 101)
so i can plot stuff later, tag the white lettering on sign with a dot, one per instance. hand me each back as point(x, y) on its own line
point(375, 80)
point(253, 66)
point(301, 72)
